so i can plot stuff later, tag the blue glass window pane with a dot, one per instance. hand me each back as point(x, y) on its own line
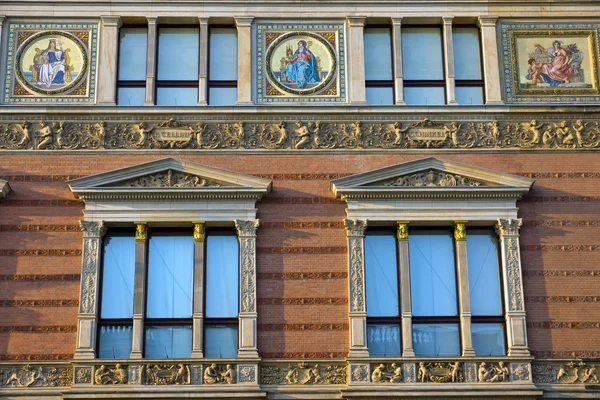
point(484, 272)
point(383, 340)
point(424, 96)
point(169, 96)
point(467, 60)
point(220, 341)
point(432, 275)
point(467, 96)
point(131, 96)
point(436, 339)
point(118, 270)
point(381, 274)
point(170, 275)
point(378, 54)
point(222, 276)
point(115, 342)
point(133, 44)
point(178, 54)
point(222, 96)
point(488, 339)
point(422, 53)
point(223, 54)
point(168, 342)
point(380, 96)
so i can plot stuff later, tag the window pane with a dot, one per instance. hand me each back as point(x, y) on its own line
point(466, 95)
point(436, 339)
point(381, 274)
point(221, 276)
point(424, 96)
point(132, 54)
point(131, 96)
point(118, 270)
point(383, 340)
point(380, 96)
point(115, 342)
point(422, 53)
point(168, 341)
point(432, 276)
point(467, 61)
point(488, 339)
point(221, 341)
point(178, 54)
point(223, 54)
point(484, 272)
point(170, 275)
point(222, 96)
point(167, 96)
point(378, 54)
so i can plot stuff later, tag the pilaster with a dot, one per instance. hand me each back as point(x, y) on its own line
point(151, 61)
point(464, 298)
point(246, 231)
point(508, 232)
point(203, 62)
point(107, 60)
point(355, 230)
point(244, 82)
point(491, 66)
point(356, 61)
point(449, 60)
point(88, 297)
point(2, 61)
point(405, 300)
point(139, 289)
point(397, 54)
point(198, 310)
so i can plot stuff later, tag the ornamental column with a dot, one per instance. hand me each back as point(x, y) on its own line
point(139, 289)
point(491, 66)
point(198, 310)
point(203, 62)
point(151, 61)
point(508, 232)
point(464, 298)
point(88, 296)
point(449, 60)
point(244, 82)
point(107, 60)
point(356, 61)
point(405, 296)
point(355, 229)
point(397, 54)
point(246, 231)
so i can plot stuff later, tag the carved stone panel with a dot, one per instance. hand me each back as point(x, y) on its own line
point(303, 374)
point(386, 373)
point(117, 375)
point(493, 372)
point(440, 372)
point(167, 374)
point(219, 374)
point(574, 372)
point(167, 179)
point(26, 376)
point(429, 178)
point(92, 233)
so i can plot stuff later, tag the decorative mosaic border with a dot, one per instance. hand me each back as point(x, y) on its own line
point(88, 78)
point(509, 63)
point(338, 78)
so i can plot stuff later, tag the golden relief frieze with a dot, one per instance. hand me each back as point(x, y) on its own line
point(425, 134)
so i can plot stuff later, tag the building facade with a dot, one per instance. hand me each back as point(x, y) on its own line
point(312, 200)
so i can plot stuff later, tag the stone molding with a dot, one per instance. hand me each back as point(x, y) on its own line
point(4, 189)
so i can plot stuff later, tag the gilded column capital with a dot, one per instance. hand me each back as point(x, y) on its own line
point(246, 228)
point(92, 229)
point(402, 231)
point(141, 231)
point(508, 227)
point(199, 231)
point(355, 227)
point(460, 230)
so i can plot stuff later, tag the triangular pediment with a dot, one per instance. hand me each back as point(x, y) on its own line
point(4, 189)
point(169, 177)
point(430, 175)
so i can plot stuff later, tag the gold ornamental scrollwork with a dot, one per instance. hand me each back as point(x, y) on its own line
point(141, 231)
point(402, 230)
point(460, 230)
point(199, 231)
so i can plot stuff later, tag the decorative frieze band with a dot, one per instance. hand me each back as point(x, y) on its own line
point(39, 303)
point(284, 276)
point(39, 329)
point(299, 301)
point(42, 278)
point(302, 135)
point(302, 250)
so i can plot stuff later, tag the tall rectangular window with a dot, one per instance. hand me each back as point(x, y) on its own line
point(221, 301)
point(381, 277)
point(177, 66)
point(116, 301)
point(467, 65)
point(131, 75)
point(222, 68)
point(422, 66)
point(379, 80)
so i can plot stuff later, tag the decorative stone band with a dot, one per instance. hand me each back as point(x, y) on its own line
point(425, 134)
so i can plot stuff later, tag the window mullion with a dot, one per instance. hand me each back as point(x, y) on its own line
point(449, 61)
point(464, 306)
point(203, 64)
point(151, 61)
point(397, 61)
point(139, 289)
point(405, 299)
point(198, 305)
